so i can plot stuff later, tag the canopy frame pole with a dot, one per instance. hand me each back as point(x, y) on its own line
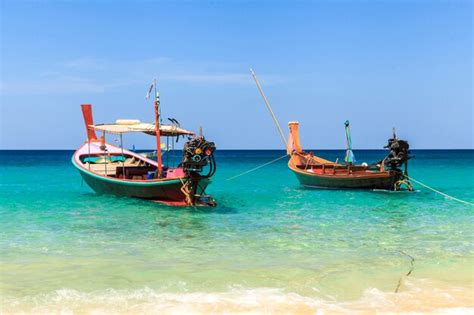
point(167, 152)
point(102, 144)
point(172, 150)
point(89, 151)
point(123, 156)
point(157, 130)
point(282, 135)
point(159, 110)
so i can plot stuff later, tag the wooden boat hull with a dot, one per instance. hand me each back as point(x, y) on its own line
point(379, 180)
point(316, 172)
point(167, 190)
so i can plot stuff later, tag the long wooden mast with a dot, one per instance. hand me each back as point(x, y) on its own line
point(158, 139)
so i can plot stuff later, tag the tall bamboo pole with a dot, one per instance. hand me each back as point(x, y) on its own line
point(282, 135)
point(157, 130)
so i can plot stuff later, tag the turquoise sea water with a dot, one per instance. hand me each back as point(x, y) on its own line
point(270, 245)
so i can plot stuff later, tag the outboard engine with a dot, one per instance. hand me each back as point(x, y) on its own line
point(198, 153)
point(399, 152)
point(397, 157)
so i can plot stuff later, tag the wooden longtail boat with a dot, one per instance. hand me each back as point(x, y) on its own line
point(314, 171)
point(110, 169)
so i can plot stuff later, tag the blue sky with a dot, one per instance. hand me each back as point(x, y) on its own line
point(379, 64)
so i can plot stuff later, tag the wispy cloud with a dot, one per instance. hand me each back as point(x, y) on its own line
point(57, 85)
point(223, 78)
point(210, 78)
point(85, 63)
point(94, 75)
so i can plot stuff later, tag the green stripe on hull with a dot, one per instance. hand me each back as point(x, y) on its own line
point(122, 182)
point(157, 190)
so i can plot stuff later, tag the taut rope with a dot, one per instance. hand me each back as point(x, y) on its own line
point(440, 192)
point(258, 167)
point(410, 178)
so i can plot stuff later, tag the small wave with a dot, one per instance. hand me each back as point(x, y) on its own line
point(419, 297)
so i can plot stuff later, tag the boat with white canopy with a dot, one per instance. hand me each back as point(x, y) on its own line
point(112, 169)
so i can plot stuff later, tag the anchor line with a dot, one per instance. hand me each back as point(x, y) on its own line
point(256, 168)
point(440, 192)
point(185, 190)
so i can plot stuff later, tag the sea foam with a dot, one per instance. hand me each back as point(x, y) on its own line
point(418, 297)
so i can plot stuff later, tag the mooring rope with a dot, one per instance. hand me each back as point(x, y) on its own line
point(258, 167)
point(410, 178)
point(185, 190)
point(440, 192)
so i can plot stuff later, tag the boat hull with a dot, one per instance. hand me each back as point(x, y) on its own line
point(325, 174)
point(166, 189)
point(384, 181)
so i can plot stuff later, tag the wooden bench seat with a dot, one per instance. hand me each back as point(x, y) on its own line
point(109, 169)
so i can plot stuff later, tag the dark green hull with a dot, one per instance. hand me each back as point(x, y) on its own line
point(159, 190)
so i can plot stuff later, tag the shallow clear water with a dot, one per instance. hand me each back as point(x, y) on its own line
point(269, 245)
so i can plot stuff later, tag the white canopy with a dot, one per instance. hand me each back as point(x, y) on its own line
point(124, 126)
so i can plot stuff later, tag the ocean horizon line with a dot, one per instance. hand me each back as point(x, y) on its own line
point(311, 149)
